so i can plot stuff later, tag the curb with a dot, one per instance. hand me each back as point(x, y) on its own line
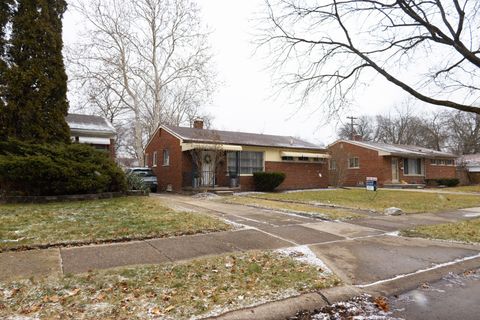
point(289, 307)
point(411, 282)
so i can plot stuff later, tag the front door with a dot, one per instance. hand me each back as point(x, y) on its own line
point(395, 175)
point(208, 168)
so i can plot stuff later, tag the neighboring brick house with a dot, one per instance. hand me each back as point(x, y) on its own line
point(470, 165)
point(197, 159)
point(352, 161)
point(92, 130)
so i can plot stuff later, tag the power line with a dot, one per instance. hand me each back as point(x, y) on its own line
point(352, 129)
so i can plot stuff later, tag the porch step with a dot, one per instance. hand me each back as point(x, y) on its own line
point(224, 192)
point(404, 185)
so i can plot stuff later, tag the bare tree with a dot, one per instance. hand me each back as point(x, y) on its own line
point(430, 49)
point(149, 58)
point(464, 129)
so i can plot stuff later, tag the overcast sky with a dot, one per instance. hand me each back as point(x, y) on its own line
point(245, 100)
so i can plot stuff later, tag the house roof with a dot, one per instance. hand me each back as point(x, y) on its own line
point(239, 138)
point(471, 161)
point(89, 125)
point(386, 149)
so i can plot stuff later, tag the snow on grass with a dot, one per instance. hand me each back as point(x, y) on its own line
point(305, 255)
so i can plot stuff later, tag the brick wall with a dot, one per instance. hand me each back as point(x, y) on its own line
point(438, 171)
point(300, 175)
point(171, 174)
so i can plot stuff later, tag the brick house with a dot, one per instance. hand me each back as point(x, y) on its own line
point(197, 159)
point(394, 165)
point(469, 165)
point(92, 130)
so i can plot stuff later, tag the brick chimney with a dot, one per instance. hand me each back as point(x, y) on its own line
point(198, 124)
point(357, 137)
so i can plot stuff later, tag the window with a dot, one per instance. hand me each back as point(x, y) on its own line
point(244, 162)
point(353, 163)
point(332, 164)
point(303, 159)
point(287, 158)
point(166, 157)
point(154, 161)
point(145, 160)
point(412, 166)
point(442, 162)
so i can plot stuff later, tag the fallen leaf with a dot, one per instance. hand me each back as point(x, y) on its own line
point(382, 303)
point(156, 311)
point(100, 297)
point(74, 292)
point(168, 309)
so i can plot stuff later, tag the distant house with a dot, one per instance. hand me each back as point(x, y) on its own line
point(196, 158)
point(393, 165)
point(93, 130)
point(471, 164)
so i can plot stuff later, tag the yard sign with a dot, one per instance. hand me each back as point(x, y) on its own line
point(371, 183)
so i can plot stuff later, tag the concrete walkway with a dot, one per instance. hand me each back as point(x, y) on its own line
point(362, 252)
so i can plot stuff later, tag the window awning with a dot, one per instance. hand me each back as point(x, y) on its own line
point(94, 140)
point(207, 146)
point(304, 154)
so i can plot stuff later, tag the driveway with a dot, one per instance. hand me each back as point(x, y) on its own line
point(365, 252)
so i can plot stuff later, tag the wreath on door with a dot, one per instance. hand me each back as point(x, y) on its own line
point(207, 159)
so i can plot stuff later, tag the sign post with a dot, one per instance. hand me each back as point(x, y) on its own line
point(371, 183)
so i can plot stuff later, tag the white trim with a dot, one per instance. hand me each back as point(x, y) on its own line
point(94, 140)
point(210, 146)
point(304, 154)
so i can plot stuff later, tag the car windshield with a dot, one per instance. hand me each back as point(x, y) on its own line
point(143, 172)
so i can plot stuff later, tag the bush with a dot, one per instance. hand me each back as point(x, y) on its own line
point(448, 182)
point(267, 181)
point(61, 169)
point(135, 182)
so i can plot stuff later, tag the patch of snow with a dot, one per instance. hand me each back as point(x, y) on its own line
point(472, 215)
point(305, 255)
point(359, 308)
point(206, 196)
point(11, 240)
point(247, 193)
point(393, 234)
point(237, 225)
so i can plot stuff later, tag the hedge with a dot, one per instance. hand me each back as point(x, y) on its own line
point(448, 182)
point(267, 181)
point(60, 169)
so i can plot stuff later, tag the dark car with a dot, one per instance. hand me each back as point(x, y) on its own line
point(147, 175)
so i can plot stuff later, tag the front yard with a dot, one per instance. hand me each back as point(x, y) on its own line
point(464, 231)
point(29, 225)
point(408, 201)
point(169, 291)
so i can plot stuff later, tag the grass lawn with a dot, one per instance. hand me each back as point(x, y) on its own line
point(465, 231)
point(410, 202)
point(169, 291)
point(330, 214)
point(24, 225)
point(475, 188)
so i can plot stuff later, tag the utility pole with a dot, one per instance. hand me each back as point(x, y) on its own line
point(352, 129)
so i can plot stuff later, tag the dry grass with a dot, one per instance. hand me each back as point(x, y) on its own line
point(170, 291)
point(475, 188)
point(324, 213)
point(465, 231)
point(24, 225)
point(408, 201)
